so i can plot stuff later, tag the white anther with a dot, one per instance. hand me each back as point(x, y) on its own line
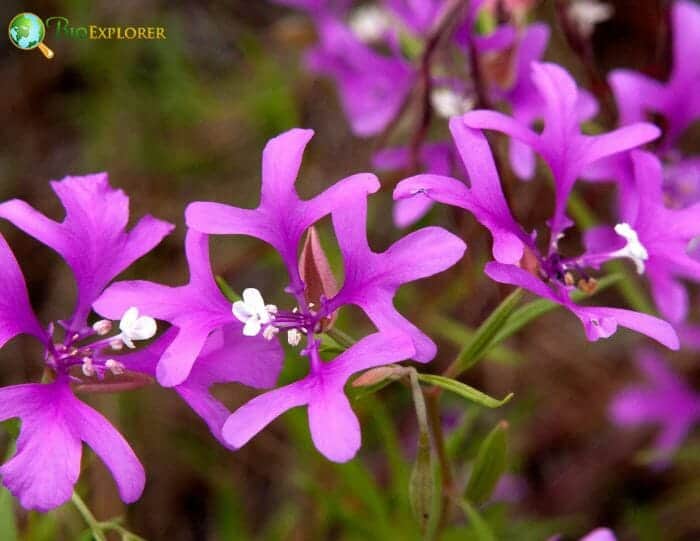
point(87, 367)
point(587, 13)
point(369, 23)
point(448, 103)
point(116, 344)
point(270, 332)
point(115, 367)
point(102, 327)
point(136, 327)
point(293, 337)
point(253, 312)
point(634, 249)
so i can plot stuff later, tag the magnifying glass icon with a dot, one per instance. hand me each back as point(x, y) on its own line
point(27, 32)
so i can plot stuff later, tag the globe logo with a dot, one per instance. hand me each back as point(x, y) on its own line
point(27, 32)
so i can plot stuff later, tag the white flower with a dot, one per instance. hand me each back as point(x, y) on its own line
point(135, 327)
point(634, 249)
point(369, 23)
point(253, 312)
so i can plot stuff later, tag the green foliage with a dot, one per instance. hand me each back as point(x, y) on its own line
point(489, 466)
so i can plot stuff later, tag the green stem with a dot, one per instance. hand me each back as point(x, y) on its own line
point(88, 517)
point(343, 339)
point(483, 337)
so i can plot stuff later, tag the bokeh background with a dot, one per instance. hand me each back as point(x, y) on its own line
point(186, 119)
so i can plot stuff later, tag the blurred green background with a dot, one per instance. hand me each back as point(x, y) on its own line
point(186, 119)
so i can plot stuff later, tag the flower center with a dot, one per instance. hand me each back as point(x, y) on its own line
point(94, 356)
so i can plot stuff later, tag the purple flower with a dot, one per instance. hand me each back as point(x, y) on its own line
point(227, 356)
point(195, 310)
point(549, 275)
point(678, 100)
point(372, 86)
point(665, 400)
point(682, 182)
point(93, 241)
point(561, 144)
point(281, 218)
point(657, 239)
point(527, 101)
point(600, 534)
point(335, 429)
point(92, 238)
point(371, 279)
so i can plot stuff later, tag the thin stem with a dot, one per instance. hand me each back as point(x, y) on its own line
point(88, 517)
point(446, 472)
point(342, 338)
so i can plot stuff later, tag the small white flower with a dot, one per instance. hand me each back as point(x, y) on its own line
point(369, 23)
point(136, 327)
point(253, 312)
point(634, 249)
point(447, 103)
point(293, 337)
point(587, 13)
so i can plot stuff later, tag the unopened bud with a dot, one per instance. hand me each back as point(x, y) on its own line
point(379, 374)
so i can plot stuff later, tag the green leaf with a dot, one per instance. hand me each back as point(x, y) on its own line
point(491, 461)
point(463, 390)
point(481, 528)
point(484, 336)
point(227, 290)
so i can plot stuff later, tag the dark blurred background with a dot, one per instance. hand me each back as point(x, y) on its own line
point(186, 119)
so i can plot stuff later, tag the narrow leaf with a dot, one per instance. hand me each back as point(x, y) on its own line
point(491, 461)
point(8, 523)
point(484, 336)
point(465, 391)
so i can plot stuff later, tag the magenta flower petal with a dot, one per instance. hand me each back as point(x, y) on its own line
point(598, 321)
point(253, 416)
point(371, 279)
point(485, 199)
point(196, 309)
point(46, 465)
point(334, 426)
point(16, 314)
point(664, 400)
point(281, 218)
point(372, 87)
point(600, 534)
point(227, 356)
point(92, 238)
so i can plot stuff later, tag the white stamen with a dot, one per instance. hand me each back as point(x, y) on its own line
point(448, 103)
point(293, 337)
point(270, 332)
point(102, 327)
point(115, 367)
point(136, 327)
point(116, 344)
point(369, 23)
point(634, 249)
point(87, 367)
point(253, 312)
point(587, 13)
